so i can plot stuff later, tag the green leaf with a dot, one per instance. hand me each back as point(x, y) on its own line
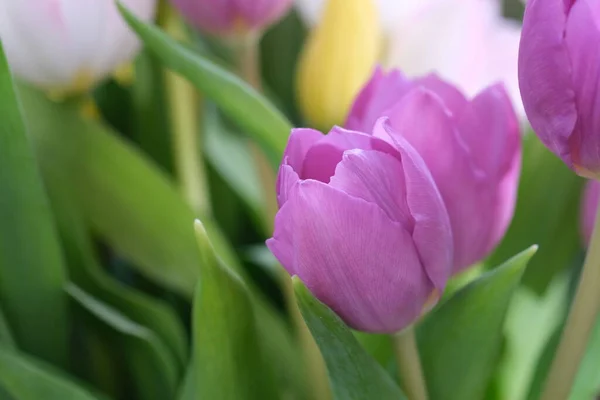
point(244, 105)
point(6, 336)
point(530, 321)
point(353, 373)
point(460, 341)
point(587, 382)
point(548, 192)
point(32, 273)
point(152, 365)
point(148, 105)
point(125, 198)
point(136, 209)
point(228, 355)
point(280, 50)
point(229, 155)
point(23, 378)
point(86, 272)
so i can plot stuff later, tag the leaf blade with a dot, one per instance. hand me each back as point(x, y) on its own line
point(352, 372)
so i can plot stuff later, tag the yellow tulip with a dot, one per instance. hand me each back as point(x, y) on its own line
point(337, 60)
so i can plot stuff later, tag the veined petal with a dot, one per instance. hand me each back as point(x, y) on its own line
point(377, 178)
point(545, 75)
point(323, 157)
point(582, 35)
point(432, 233)
point(356, 260)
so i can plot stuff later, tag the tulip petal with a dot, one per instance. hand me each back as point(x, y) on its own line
point(377, 178)
point(322, 158)
point(432, 234)
point(381, 92)
point(370, 273)
point(545, 75)
point(299, 142)
point(582, 37)
point(490, 129)
point(453, 99)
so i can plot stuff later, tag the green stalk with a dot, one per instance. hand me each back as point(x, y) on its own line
point(184, 112)
point(580, 322)
point(409, 364)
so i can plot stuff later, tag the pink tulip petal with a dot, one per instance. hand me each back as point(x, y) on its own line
point(545, 75)
point(582, 37)
point(321, 160)
point(381, 92)
point(377, 178)
point(432, 232)
point(453, 99)
point(490, 129)
point(367, 269)
point(299, 142)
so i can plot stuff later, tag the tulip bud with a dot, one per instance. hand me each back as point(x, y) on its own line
point(472, 149)
point(362, 224)
point(589, 207)
point(338, 57)
point(232, 17)
point(559, 71)
point(68, 45)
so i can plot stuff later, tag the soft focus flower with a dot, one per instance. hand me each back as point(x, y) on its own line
point(472, 148)
point(337, 59)
point(559, 75)
point(68, 45)
point(589, 207)
point(232, 17)
point(466, 42)
point(363, 225)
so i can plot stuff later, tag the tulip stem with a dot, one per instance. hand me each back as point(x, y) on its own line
point(248, 63)
point(409, 364)
point(580, 322)
point(184, 108)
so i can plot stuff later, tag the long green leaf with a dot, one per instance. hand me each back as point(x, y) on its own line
point(228, 356)
point(237, 99)
point(354, 374)
point(86, 272)
point(6, 336)
point(32, 273)
point(460, 341)
point(547, 202)
point(126, 199)
point(152, 365)
point(25, 379)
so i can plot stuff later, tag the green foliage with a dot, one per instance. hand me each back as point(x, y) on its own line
point(460, 341)
point(353, 373)
point(32, 272)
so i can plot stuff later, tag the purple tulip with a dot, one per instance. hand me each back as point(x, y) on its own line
point(231, 17)
point(362, 223)
point(559, 76)
point(472, 148)
point(589, 207)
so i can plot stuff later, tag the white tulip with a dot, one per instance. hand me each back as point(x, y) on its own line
point(68, 44)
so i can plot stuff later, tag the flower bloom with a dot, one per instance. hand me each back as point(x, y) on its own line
point(589, 207)
point(472, 148)
point(559, 71)
point(232, 17)
point(68, 45)
point(362, 224)
point(466, 42)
